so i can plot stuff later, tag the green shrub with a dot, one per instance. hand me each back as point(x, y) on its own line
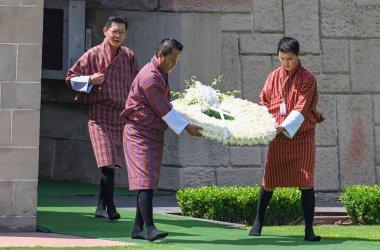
point(238, 204)
point(362, 203)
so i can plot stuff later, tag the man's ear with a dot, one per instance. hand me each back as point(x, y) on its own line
point(105, 31)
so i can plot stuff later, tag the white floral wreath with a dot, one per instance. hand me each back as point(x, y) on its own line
point(223, 117)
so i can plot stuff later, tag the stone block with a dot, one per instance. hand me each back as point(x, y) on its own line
point(377, 146)
point(169, 178)
point(355, 128)
point(378, 175)
point(39, 3)
point(333, 83)
point(326, 169)
point(245, 156)
point(65, 121)
point(5, 127)
point(6, 194)
point(121, 177)
point(19, 163)
point(197, 177)
point(376, 106)
point(124, 4)
point(236, 22)
point(29, 63)
point(267, 16)
point(350, 19)
point(198, 151)
point(365, 61)
point(20, 95)
point(10, 2)
point(335, 56)
point(25, 198)
point(302, 22)
point(255, 72)
point(18, 224)
point(239, 176)
point(313, 63)
point(75, 160)
point(259, 43)
point(326, 132)
point(230, 66)
point(171, 149)
point(8, 61)
point(56, 91)
point(30, 24)
point(264, 154)
point(46, 157)
point(240, 6)
point(26, 128)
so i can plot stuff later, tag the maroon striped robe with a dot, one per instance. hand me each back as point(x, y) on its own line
point(290, 162)
point(147, 103)
point(107, 100)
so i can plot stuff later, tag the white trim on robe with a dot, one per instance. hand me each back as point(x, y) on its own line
point(292, 123)
point(175, 121)
point(81, 84)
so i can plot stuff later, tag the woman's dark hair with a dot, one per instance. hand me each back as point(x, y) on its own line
point(116, 19)
point(167, 45)
point(288, 44)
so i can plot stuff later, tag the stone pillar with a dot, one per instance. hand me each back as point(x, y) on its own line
point(20, 95)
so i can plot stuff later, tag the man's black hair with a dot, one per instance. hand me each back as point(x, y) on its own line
point(116, 19)
point(167, 45)
point(288, 44)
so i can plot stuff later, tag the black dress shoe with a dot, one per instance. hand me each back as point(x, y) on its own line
point(141, 235)
point(101, 213)
point(156, 234)
point(114, 216)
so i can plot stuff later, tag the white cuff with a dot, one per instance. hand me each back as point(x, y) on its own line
point(81, 84)
point(175, 121)
point(292, 123)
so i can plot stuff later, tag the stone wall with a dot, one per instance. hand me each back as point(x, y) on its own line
point(340, 42)
point(20, 90)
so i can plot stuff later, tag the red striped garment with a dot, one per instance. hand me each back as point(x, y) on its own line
point(291, 162)
point(107, 100)
point(147, 103)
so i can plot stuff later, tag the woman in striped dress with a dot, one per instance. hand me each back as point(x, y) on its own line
point(290, 93)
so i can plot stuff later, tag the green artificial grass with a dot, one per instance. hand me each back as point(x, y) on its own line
point(187, 233)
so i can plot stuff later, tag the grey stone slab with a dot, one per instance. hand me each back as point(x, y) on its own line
point(18, 224)
point(335, 56)
point(313, 63)
point(26, 128)
point(302, 22)
point(29, 63)
point(326, 132)
point(245, 156)
point(20, 95)
point(10, 2)
point(259, 43)
point(255, 72)
point(46, 157)
point(171, 149)
point(355, 128)
point(377, 146)
point(75, 160)
point(197, 177)
point(123, 4)
point(350, 18)
point(65, 121)
point(267, 15)
point(230, 66)
point(378, 175)
point(169, 178)
point(365, 61)
point(195, 151)
point(56, 91)
point(25, 198)
point(5, 127)
point(264, 154)
point(30, 24)
point(121, 177)
point(6, 194)
point(19, 163)
point(241, 6)
point(333, 83)
point(326, 169)
point(238, 176)
point(39, 3)
point(8, 61)
point(376, 106)
point(236, 22)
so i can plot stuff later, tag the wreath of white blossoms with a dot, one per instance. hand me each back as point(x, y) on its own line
point(223, 117)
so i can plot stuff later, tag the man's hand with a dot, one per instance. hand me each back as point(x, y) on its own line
point(193, 130)
point(97, 78)
point(280, 129)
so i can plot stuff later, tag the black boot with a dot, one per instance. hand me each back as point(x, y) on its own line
point(101, 211)
point(145, 199)
point(109, 190)
point(138, 227)
point(262, 204)
point(308, 206)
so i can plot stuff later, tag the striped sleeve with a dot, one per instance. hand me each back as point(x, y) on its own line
point(154, 92)
point(306, 95)
point(264, 97)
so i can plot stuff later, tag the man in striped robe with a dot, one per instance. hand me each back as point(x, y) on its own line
point(148, 113)
point(103, 76)
point(290, 93)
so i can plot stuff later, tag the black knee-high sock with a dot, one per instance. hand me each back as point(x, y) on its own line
point(138, 227)
point(263, 202)
point(109, 174)
point(145, 200)
point(101, 207)
point(308, 206)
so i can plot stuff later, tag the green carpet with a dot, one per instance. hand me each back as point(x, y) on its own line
point(77, 219)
